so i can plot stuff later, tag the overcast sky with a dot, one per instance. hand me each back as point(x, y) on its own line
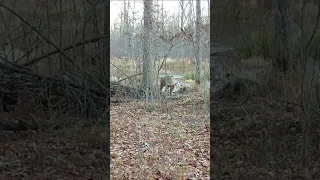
point(169, 5)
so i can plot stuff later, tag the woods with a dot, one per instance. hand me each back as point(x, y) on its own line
point(53, 88)
point(265, 89)
point(125, 89)
point(159, 90)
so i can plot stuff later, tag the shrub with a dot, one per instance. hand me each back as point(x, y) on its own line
point(260, 43)
point(191, 76)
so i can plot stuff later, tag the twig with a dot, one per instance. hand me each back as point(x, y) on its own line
point(292, 103)
point(65, 49)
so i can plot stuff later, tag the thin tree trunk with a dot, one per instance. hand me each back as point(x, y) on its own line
point(61, 20)
point(198, 29)
point(305, 84)
point(106, 73)
point(282, 58)
point(147, 62)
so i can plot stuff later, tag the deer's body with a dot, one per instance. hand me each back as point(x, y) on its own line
point(166, 82)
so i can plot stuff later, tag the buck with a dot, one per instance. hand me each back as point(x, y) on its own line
point(167, 82)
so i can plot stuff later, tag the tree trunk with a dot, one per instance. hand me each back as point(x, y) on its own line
point(147, 77)
point(106, 73)
point(281, 58)
point(198, 29)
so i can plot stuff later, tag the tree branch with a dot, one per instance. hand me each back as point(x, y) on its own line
point(64, 49)
point(35, 30)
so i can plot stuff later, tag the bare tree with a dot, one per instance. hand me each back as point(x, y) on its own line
point(126, 27)
point(147, 77)
point(182, 22)
point(198, 29)
point(305, 84)
point(105, 60)
point(60, 34)
point(106, 73)
point(281, 58)
point(304, 104)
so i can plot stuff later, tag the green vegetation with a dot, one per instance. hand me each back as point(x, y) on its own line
point(192, 76)
point(189, 75)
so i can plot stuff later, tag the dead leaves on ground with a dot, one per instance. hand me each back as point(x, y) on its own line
point(54, 155)
point(149, 143)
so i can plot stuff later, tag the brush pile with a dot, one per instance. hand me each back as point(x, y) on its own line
point(67, 93)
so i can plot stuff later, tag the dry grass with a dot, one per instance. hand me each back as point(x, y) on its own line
point(254, 62)
point(184, 67)
point(171, 64)
point(286, 87)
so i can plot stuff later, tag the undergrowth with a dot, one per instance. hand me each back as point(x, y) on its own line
point(259, 43)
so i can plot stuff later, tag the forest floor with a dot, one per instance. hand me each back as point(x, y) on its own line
point(149, 142)
point(260, 136)
point(261, 139)
point(76, 152)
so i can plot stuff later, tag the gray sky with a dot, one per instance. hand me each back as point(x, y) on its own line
point(170, 6)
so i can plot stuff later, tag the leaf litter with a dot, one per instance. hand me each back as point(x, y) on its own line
point(70, 153)
point(150, 143)
point(261, 139)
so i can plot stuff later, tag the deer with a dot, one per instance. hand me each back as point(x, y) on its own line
point(167, 82)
